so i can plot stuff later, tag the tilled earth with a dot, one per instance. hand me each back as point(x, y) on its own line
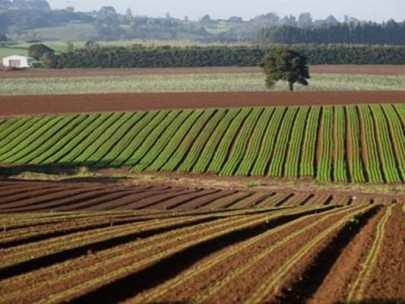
point(93, 242)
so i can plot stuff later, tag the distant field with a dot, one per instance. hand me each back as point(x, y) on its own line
point(75, 32)
point(325, 143)
point(192, 83)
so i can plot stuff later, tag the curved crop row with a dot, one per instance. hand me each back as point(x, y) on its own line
point(326, 143)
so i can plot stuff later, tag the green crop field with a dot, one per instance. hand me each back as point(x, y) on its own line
point(192, 83)
point(326, 143)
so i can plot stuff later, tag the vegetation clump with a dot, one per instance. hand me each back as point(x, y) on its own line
point(287, 65)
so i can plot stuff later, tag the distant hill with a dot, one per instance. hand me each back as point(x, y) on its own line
point(25, 20)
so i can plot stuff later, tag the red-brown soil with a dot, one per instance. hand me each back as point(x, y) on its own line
point(40, 196)
point(133, 247)
point(223, 255)
point(56, 104)
point(344, 69)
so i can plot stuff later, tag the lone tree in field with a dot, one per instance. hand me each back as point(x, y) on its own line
point(285, 64)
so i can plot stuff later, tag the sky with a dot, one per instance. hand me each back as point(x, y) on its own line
point(375, 10)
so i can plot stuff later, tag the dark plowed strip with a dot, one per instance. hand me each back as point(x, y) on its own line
point(153, 201)
point(339, 200)
point(172, 265)
point(312, 278)
point(296, 199)
point(30, 194)
point(318, 199)
point(54, 205)
point(254, 200)
point(21, 189)
point(229, 201)
point(123, 202)
point(52, 197)
point(178, 202)
point(203, 202)
point(100, 200)
point(72, 229)
point(58, 257)
point(388, 277)
point(276, 200)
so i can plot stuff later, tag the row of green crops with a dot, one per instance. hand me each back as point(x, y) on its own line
point(327, 143)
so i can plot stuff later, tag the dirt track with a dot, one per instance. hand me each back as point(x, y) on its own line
point(345, 69)
point(55, 104)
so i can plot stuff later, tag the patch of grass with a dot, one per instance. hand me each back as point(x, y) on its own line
point(192, 83)
point(253, 184)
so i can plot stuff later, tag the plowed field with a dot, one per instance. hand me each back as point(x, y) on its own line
point(41, 196)
point(196, 245)
point(57, 104)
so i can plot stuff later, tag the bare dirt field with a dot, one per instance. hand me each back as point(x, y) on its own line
point(196, 245)
point(338, 69)
point(56, 104)
point(107, 194)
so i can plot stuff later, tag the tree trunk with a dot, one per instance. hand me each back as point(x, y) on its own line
point(291, 86)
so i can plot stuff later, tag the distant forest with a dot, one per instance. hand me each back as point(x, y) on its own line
point(204, 56)
point(18, 17)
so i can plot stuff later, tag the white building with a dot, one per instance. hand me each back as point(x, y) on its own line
point(16, 61)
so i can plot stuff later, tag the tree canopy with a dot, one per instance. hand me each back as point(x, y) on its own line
point(285, 64)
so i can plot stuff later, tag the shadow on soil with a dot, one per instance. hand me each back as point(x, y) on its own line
point(314, 275)
point(176, 263)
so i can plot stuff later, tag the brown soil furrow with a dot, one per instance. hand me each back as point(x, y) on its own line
point(100, 200)
point(205, 201)
point(60, 203)
point(209, 272)
point(388, 278)
point(276, 272)
point(57, 104)
point(277, 200)
point(318, 199)
point(232, 280)
point(29, 257)
point(177, 202)
point(147, 201)
point(229, 201)
point(39, 233)
point(122, 203)
point(65, 192)
point(31, 194)
point(297, 199)
point(335, 284)
point(253, 200)
point(185, 234)
point(183, 245)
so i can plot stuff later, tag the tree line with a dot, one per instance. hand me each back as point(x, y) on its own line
point(138, 56)
point(390, 32)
